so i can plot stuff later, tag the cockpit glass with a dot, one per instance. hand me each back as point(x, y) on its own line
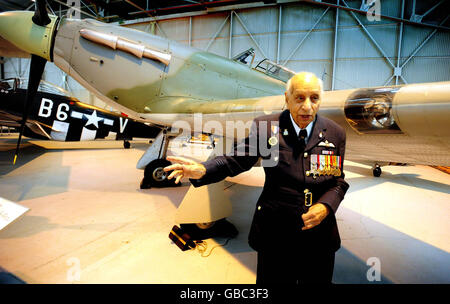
point(274, 70)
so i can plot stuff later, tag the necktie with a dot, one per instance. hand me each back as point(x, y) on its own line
point(302, 138)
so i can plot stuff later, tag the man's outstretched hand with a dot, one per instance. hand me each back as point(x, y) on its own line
point(184, 167)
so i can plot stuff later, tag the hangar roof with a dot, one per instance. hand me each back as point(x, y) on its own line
point(418, 12)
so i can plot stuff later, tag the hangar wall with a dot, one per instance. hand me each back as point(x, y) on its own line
point(324, 40)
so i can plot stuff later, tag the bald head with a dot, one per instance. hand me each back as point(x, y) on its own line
point(303, 96)
point(303, 77)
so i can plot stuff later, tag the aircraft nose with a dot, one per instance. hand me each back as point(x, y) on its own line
point(18, 28)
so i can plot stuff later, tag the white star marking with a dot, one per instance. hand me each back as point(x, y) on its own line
point(93, 119)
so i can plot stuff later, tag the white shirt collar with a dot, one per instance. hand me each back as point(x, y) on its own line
point(308, 127)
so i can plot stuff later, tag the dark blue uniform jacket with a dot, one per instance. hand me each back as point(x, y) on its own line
point(277, 216)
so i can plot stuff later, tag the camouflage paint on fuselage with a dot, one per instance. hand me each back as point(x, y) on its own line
point(225, 90)
point(193, 78)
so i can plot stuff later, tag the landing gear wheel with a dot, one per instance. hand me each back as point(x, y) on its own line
point(154, 175)
point(201, 231)
point(126, 144)
point(205, 225)
point(376, 171)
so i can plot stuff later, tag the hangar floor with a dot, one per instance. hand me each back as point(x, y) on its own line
point(88, 214)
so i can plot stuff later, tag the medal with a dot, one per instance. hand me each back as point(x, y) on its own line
point(317, 166)
point(327, 165)
point(285, 132)
point(321, 164)
point(338, 172)
point(274, 130)
point(273, 141)
point(313, 164)
point(332, 164)
point(339, 165)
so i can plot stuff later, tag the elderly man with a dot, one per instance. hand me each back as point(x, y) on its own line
point(294, 227)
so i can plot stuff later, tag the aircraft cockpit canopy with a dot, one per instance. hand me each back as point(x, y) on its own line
point(274, 70)
point(265, 66)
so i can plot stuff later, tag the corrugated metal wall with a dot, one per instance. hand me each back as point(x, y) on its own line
point(359, 62)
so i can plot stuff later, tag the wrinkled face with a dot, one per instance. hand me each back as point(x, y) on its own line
point(303, 99)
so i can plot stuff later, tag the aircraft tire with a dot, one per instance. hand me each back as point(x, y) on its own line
point(376, 171)
point(220, 228)
point(154, 176)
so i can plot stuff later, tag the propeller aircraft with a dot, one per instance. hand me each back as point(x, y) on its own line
point(160, 81)
point(56, 115)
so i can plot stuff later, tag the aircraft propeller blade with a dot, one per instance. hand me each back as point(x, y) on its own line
point(40, 14)
point(36, 69)
point(37, 66)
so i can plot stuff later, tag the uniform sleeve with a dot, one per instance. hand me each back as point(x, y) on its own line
point(333, 197)
point(243, 157)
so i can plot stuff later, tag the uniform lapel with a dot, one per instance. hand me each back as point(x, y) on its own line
point(318, 133)
point(286, 124)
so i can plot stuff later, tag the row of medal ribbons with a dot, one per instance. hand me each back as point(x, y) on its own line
point(325, 165)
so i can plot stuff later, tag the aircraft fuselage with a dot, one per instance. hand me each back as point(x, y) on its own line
point(161, 81)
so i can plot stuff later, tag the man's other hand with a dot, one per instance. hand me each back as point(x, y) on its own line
point(314, 216)
point(184, 167)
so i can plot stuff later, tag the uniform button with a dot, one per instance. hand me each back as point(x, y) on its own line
point(305, 155)
point(307, 173)
point(259, 207)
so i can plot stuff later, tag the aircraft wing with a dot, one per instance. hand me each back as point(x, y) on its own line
point(37, 129)
point(9, 120)
point(394, 124)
